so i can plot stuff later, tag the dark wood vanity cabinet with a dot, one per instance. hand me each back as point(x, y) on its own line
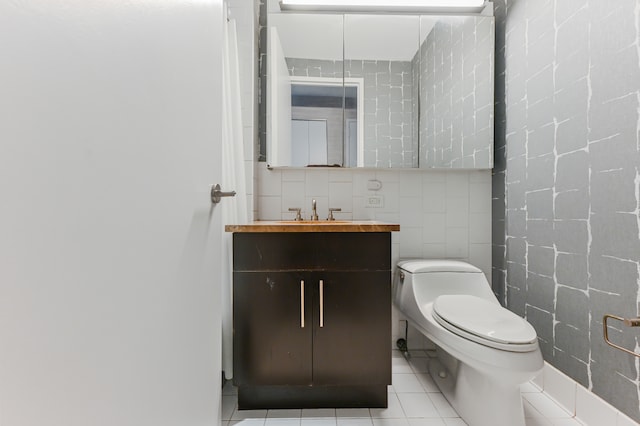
point(312, 319)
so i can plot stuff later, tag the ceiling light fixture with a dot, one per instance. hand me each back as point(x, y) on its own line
point(385, 5)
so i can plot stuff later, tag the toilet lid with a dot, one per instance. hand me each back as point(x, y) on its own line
point(483, 319)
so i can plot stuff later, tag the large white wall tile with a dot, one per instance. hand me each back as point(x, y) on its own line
point(434, 197)
point(457, 243)
point(293, 175)
point(410, 184)
point(269, 208)
point(457, 212)
point(341, 196)
point(269, 181)
point(479, 198)
point(434, 228)
point(592, 410)
point(479, 228)
point(560, 387)
point(411, 211)
point(317, 183)
point(293, 197)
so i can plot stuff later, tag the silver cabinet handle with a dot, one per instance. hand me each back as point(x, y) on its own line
point(321, 303)
point(301, 304)
point(217, 194)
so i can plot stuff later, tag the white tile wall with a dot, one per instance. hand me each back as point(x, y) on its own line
point(562, 397)
point(245, 13)
point(441, 213)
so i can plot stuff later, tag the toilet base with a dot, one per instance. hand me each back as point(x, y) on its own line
point(479, 401)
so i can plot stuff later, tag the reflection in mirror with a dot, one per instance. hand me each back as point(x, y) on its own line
point(382, 51)
point(306, 102)
point(456, 92)
point(399, 91)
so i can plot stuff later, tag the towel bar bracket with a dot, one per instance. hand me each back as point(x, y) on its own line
point(629, 322)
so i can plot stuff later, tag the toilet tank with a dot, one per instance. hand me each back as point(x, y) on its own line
point(427, 279)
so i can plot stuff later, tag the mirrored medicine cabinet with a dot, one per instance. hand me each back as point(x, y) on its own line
point(381, 91)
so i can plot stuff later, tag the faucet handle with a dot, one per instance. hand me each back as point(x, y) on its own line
point(297, 210)
point(331, 210)
point(314, 212)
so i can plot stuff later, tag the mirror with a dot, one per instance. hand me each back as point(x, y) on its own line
point(305, 90)
point(381, 52)
point(456, 92)
point(399, 91)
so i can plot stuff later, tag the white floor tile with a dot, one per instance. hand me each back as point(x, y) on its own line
point(354, 421)
point(229, 403)
point(318, 413)
point(424, 407)
point(276, 421)
point(284, 414)
point(426, 422)
point(327, 421)
point(400, 365)
point(352, 412)
point(248, 414)
point(417, 405)
point(419, 365)
point(427, 382)
point(442, 405)
point(229, 389)
point(390, 422)
point(393, 410)
point(454, 422)
point(247, 422)
point(406, 383)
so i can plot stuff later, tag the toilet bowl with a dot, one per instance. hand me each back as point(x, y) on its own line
point(485, 352)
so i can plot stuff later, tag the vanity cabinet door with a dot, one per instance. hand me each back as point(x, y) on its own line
point(352, 345)
point(272, 329)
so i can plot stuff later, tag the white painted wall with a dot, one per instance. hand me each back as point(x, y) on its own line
point(109, 129)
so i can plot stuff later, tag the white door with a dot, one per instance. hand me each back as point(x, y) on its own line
point(109, 246)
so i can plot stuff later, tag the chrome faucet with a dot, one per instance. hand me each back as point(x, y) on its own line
point(314, 213)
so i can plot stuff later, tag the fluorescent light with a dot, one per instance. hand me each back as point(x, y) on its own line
point(385, 5)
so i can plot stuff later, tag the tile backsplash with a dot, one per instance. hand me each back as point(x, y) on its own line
point(442, 214)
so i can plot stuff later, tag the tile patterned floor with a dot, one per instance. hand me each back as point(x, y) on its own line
point(414, 400)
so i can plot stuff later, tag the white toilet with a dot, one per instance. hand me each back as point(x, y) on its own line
point(485, 352)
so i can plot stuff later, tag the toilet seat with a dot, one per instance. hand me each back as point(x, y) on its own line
point(484, 322)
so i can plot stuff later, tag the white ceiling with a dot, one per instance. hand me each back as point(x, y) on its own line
point(372, 37)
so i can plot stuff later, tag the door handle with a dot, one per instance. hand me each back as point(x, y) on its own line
point(321, 303)
point(217, 194)
point(301, 303)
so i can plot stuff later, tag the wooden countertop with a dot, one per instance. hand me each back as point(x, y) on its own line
point(314, 226)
